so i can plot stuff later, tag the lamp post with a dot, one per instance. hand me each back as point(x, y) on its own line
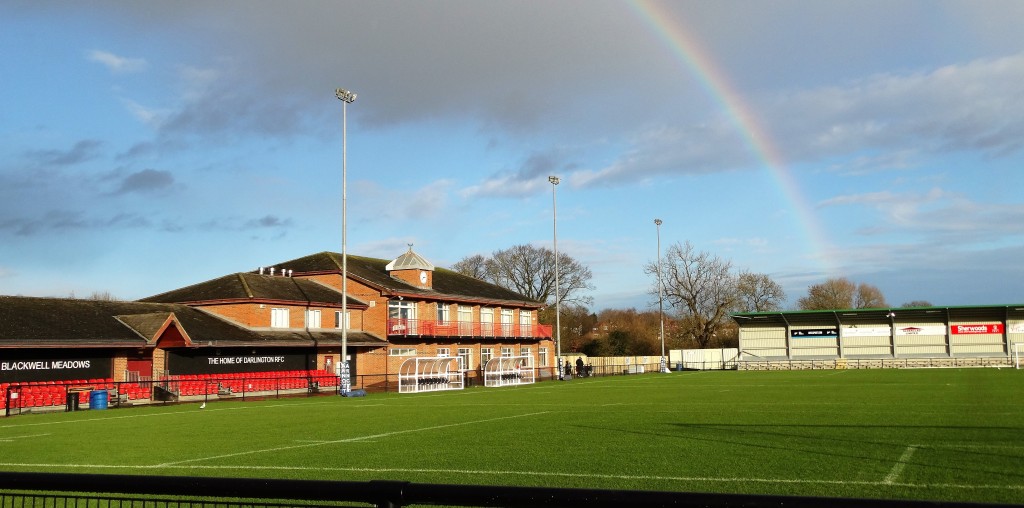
point(346, 97)
point(661, 307)
point(558, 325)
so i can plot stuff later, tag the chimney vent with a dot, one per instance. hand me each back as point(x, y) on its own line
point(271, 271)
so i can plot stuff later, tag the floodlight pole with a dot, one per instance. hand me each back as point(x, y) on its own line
point(346, 97)
point(558, 325)
point(661, 306)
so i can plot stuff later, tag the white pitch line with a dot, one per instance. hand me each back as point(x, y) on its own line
point(348, 440)
point(8, 439)
point(183, 411)
point(900, 464)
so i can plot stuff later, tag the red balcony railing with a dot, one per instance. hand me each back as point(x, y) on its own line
point(433, 328)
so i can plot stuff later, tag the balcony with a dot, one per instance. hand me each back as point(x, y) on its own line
point(434, 328)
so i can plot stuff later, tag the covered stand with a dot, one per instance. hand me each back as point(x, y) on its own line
point(430, 375)
point(508, 370)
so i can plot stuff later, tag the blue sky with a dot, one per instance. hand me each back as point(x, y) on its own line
point(147, 146)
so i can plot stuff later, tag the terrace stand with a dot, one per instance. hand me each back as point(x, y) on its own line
point(508, 371)
point(430, 375)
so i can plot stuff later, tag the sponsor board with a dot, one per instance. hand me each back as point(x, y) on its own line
point(976, 328)
point(921, 330)
point(867, 331)
point(814, 333)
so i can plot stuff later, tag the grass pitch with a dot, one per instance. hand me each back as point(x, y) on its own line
point(901, 434)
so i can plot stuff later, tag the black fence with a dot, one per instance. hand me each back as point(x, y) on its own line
point(24, 490)
point(35, 397)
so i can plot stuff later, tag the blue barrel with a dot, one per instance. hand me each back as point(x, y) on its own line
point(98, 399)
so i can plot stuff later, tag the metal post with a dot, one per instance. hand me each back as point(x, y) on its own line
point(558, 325)
point(346, 98)
point(661, 307)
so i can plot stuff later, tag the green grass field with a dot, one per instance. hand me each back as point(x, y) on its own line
point(919, 434)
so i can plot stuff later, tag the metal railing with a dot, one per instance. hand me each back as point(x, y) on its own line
point(122, 491)
point(434, 328)
point(19, 398)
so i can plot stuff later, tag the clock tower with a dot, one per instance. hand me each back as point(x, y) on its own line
point(412, 269)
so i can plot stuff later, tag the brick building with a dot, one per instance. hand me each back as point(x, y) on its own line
point(282, 318)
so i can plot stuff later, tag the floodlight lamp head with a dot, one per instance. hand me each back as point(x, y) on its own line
point(554, 179)
point(345, 95)
point(657, 222)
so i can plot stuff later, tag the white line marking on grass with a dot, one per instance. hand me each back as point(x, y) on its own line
point(900, 464)
point(183, 411)
point(9, 439)
point(976, 446)
point(349, 440)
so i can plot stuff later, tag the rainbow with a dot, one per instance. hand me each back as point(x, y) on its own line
point(698, 62)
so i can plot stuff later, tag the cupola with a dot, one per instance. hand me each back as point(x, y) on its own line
point(413, 269)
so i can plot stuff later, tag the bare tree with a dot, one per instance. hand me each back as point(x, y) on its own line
point(472, 266)
point(841, 293)
point(916, 303)
point(869, 297)
point(757, 292)
point(701, 287)
point(530, 271)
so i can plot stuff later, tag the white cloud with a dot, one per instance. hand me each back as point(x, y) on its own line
point(973, 106)
point(937, 216)
point(117, 64)
point(148, 116)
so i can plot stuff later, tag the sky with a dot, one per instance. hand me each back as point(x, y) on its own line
point(147, 146)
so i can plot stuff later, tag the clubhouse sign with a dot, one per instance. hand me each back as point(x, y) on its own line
point(53, 368)
point(239, 360)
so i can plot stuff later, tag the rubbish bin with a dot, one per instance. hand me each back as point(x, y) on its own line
point(72, 401)
point(98, 399)
point(679, 366)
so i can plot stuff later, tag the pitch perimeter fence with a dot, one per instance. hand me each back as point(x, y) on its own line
point(60, 490)
point(36, 397)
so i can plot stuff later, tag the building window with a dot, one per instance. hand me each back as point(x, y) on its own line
point(525, 351)
point(486, 322)
point(542, 356)
point(279, 318)
point(402, 351)
point(444, 352)
point(506, 322)
point(442, 314)
point(465, 320)
point(338, 321)
point(486, 354)
point(525, 323)
point(465, 358)
point(312, 318)
point(402, 317)
point(506, 352)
